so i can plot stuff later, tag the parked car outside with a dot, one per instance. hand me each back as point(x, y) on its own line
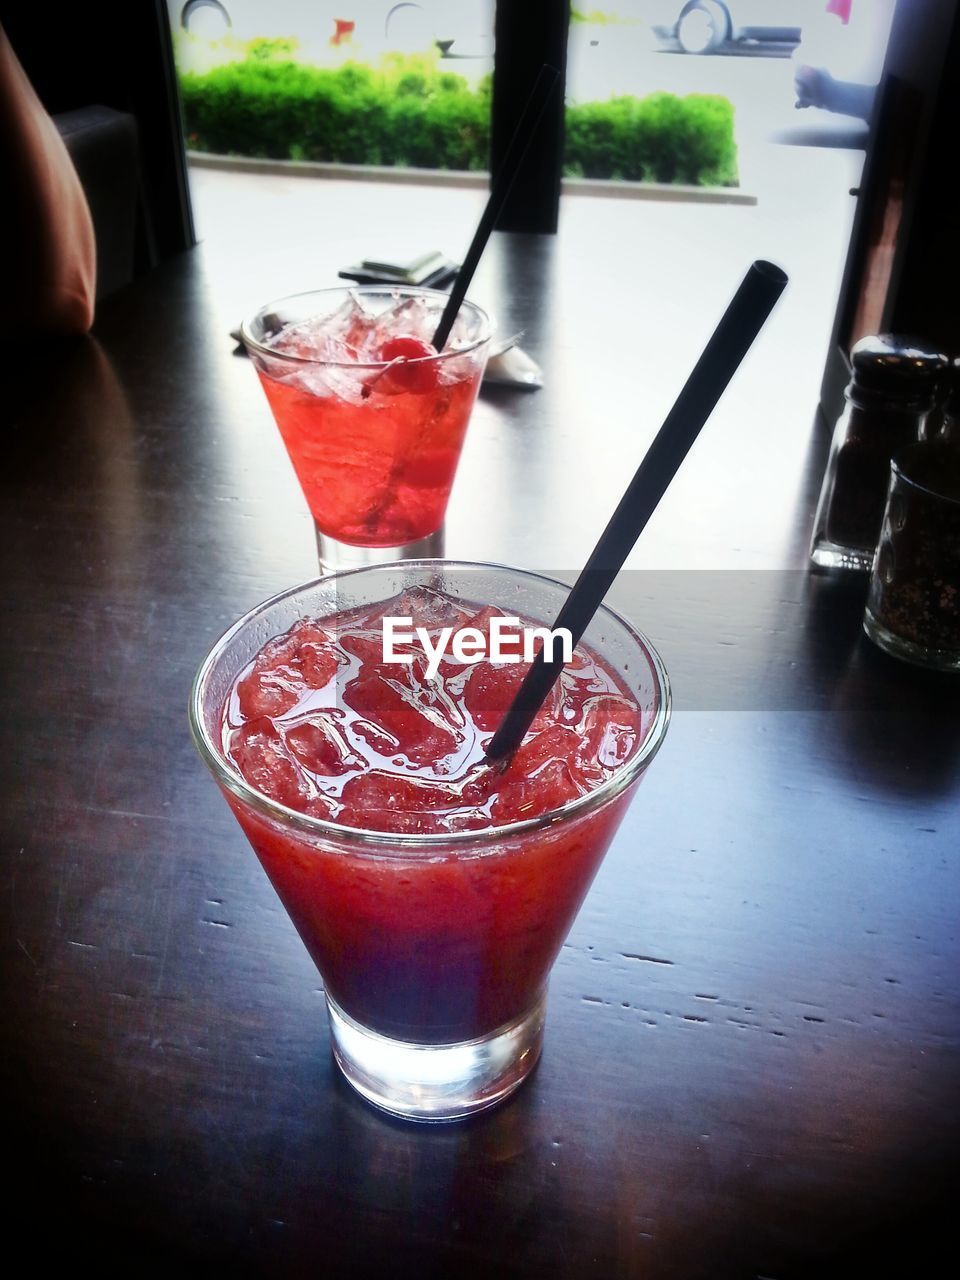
point(731, 26)
point(328, 30)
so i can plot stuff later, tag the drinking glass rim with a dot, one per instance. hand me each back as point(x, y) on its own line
point(249, 341)
point(391, 843)
point(900, 463)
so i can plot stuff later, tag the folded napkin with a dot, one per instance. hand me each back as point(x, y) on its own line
point(513, 368)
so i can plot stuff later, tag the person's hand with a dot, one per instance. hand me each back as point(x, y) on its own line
point(818, 88)
point(810, 85)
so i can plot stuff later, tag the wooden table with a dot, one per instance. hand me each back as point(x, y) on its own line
point(752, 1045)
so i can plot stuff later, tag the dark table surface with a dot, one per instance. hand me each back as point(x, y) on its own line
point(752, 1045)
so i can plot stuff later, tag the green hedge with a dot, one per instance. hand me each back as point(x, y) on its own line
point(403, 114)
point(408, 113)
point(660, 138)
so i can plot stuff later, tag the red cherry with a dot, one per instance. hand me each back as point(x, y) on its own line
point(409, 377)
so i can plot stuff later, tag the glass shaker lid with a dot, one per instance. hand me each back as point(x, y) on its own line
point(897, 365)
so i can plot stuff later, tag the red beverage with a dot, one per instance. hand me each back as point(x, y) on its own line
point(433, 891)
point(321, 724)
point(372, 417)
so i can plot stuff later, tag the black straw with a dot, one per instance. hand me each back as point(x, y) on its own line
point(732, 338)
point(519, 143)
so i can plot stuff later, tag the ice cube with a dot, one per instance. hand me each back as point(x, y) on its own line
point(321, 337)
point(490, 689)
point(373, 736)
point(259, 753)
point(550, 787)
point(378, 789)
point(346, 382)
point(481, 620)
point(415, 713)
point(304, 659)
point(308, 651)
point(479, 783)
point(394, 821)
point(426, 607)
point(556, 742)
point(328, 381)
point(319, 745)
point(268, 692)
point(465, 820)
point(461, 334)
point(416, 316)
point(318, 663)
point(390, 803)
point(609, 733)
point(320, 806)
point(365, 645)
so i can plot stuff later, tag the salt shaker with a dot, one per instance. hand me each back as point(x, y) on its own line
point(892, 391)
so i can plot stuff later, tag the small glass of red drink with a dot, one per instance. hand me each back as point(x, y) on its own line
point(432, 889)
point(373, 418)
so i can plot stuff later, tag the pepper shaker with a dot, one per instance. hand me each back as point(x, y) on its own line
point(948, 427)
point(913, 606)
point(891, 392)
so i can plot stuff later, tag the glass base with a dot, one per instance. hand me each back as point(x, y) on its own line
point(829, 555)
point(908, 650)
point(335, 555)
point(436, 1082)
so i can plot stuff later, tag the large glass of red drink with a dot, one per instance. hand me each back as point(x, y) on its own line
point(432, 889)
point(373, 418)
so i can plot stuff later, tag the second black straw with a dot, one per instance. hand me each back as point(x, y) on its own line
point(732, 338)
